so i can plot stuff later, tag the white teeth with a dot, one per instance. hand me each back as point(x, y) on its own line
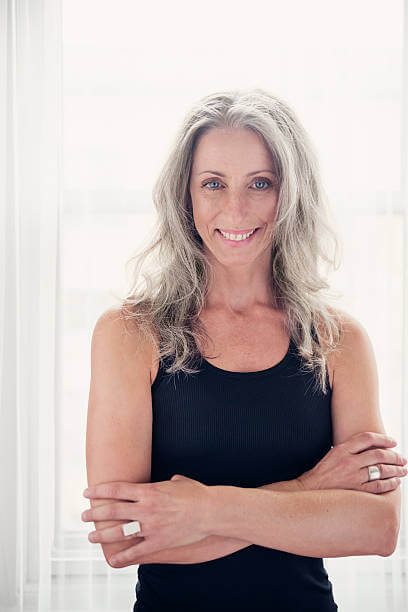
point(237, 236)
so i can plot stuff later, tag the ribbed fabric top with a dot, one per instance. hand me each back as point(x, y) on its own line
point(244, 429)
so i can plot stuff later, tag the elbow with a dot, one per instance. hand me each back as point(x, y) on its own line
point(108, 553)
point(389, 524)
point(109, 563)
point(391, 539)
point(107, 558)
point(391, 545)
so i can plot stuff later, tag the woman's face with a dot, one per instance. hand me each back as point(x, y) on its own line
point(233, 188)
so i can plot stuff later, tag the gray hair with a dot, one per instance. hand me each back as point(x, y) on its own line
point(166, 304)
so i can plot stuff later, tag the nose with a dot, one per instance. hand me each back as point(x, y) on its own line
point(236, 206)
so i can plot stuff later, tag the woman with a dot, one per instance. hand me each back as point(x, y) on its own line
point(233, 425)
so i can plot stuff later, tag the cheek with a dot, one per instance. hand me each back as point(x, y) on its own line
point(201, 213)
point(199, 223)
point(271, 212)
point(197, 216)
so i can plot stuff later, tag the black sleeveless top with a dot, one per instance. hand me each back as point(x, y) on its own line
point(244, 429)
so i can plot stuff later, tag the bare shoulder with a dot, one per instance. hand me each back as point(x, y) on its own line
point(120, 365)
point(355, 347)
point(115, 330)
point(347, 323)
point(113, 320)
point(353, 339)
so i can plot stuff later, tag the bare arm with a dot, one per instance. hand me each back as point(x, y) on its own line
point(355, 408)
point(216, 546)
point(318, 523)
point(213, 546)
point(119, 424)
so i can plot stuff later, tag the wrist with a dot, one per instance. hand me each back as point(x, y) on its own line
point(215, 506)
point(307, 481)
point(284, 485)
point(209, 510)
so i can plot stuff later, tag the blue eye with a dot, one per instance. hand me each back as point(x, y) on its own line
point(265, 181)
point(208, 182)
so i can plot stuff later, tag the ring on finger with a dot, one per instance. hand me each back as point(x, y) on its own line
point(373, 472)
point(131, 528)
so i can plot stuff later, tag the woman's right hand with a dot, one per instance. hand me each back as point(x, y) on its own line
point(345, 466)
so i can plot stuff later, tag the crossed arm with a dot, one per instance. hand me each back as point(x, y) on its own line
point(285, 516)
point(323, 522)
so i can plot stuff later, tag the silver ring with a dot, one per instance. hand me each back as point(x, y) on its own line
point(373, 472)
point(131, 528)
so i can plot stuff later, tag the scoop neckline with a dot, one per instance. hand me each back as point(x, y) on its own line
point(254, 372)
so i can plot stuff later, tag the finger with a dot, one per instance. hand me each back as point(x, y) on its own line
point(134, 554)
point(116, 490)
point(366, 439)
point(380, 455)
point(380, 486)
point(117, 511)
point(115, 534)
point(386, 471)
point(88, 514)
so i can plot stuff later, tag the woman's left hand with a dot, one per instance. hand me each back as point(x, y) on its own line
point(171, 513)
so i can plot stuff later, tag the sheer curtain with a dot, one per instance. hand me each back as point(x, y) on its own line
point(30, 179)
point(97, 94)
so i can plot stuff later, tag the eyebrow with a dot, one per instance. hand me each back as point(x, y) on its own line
point(249, 173)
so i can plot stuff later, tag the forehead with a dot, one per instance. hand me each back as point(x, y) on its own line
point(236, 146)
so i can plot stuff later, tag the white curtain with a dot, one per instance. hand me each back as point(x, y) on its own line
point(30, 188)
point(46, 562)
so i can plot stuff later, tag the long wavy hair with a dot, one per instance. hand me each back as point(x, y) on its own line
point(171, 274)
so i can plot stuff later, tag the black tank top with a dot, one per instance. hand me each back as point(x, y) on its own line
point(244, 429)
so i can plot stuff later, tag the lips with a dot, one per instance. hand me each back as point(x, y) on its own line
point(237, 232)
point(237, 241)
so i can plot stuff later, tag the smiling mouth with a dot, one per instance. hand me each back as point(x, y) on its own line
point(237, 232)
point(238, 237)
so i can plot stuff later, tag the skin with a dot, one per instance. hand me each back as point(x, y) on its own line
point(240, 316)
point(235, 202)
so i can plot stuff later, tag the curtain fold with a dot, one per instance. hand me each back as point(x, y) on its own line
point(30, 183)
